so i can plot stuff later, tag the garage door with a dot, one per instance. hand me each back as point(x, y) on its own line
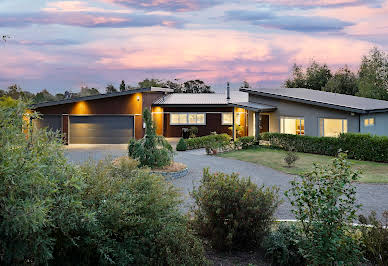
point(101, 129)
point(51, 122)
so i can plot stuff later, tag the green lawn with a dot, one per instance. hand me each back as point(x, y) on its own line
point(371, 172)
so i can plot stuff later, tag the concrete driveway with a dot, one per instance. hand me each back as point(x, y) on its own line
point(371, 196)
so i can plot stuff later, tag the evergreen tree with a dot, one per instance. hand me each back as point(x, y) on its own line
point(122, 86)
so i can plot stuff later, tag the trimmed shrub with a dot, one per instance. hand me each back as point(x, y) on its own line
point(212, 141)
point(193, 131)
point(282, 246)
point(233, 212)
point(358, 146)
point(152, 150)
point(247, 142)
point(181, 146)
point(290, 158)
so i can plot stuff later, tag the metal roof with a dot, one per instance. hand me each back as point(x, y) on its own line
point(323, 98)
point(255, 106)
point(203, 99)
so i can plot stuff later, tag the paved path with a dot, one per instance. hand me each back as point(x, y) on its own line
point(372, 197)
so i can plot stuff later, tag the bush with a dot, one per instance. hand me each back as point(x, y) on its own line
point(218, 141)
point(282, 246)
point(152, 150)
point(375, 239)
point(324, 202)
point(247, 142)
point(181, 146)
point(291, 157)
point(193, 131)
point(358, 146)
point(233, 212)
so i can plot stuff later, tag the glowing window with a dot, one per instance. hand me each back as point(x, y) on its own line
point(292, 125)
point(368, 122)
point(187, 119)
point(227, 118)
point(333, 127)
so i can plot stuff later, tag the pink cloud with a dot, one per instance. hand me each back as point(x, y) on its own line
point(169, 5)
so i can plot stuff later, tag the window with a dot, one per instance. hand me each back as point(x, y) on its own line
point(292, 125)
point(368, 122)
point(227, 118)
point(333, 127)
point(187, 119)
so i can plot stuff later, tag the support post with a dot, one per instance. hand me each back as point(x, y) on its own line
point(257, 125)
point(234, 125)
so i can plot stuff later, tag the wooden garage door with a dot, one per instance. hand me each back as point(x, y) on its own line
point(103, 129)
point(51, 122)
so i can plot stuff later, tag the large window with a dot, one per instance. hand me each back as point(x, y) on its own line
point(227, 118)
point(187, 119)
point(333, 127)
point(292, 125)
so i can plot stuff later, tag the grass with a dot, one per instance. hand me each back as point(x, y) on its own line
point(371, 172)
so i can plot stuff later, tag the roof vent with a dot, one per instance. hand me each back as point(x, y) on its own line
point(228, 91)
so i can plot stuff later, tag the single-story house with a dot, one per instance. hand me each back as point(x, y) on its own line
point(116, 117)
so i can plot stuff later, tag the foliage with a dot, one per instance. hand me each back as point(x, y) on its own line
point(233, 212)
point(358, 146)
point(110, 88)
point(196, 86)
point(315, 77)
point(324, 202)
point(245, 85)
point(216, 141)
point(181, 146)
point(291, 157)
point(148, 83)
point(86, 91)
point(152, 150)
point(297, 79)
point(375, 238)
point(138, 217)
point(245, 142)
point(344, 81)
point(122, 86)
point(373, 75)
point(193, 131)
point(281, 246)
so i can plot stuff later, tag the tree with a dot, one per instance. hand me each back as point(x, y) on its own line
point(245, 85)
point(15, 92)
point(298, 79)
point(122, 86)
point(373, 75)
point(344, 81)
point(196, 86)
point(176, 86)
point(315, 77)
point(110, 89)
point(148, 83)
point(44, 96)
point(86, 91)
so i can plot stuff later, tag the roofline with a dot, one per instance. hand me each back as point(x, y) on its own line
point(90, 98)
point(269, 109)
point(299, 100)
point(191, 105)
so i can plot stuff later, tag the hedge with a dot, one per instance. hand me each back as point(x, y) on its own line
point(358, 146)
point(206, 141)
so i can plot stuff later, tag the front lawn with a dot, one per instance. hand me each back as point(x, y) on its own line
point(371, 172)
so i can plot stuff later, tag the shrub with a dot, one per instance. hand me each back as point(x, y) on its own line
point(247, 142)
point(375, 238)
point(138, 217)
point(193, 131)
point(181, 146)
point(291, 157)
point(233, 212)
point(324, 202)
point(152, 150)
point(282, 246)
point(215, 140)
point(358, 146)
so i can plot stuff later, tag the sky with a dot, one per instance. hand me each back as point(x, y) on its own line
point(63, 45)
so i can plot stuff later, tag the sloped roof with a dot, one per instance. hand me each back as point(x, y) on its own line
point(322, 98)
point(179, 99)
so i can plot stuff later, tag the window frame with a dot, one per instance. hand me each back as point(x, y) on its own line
point(187, 119)
point(322, 125)
point(223, 121)
point(369, 120)
point(297, 118)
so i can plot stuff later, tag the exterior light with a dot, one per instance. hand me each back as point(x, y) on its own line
point(138, 98)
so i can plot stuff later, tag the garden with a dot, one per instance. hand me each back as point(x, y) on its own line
point(123, 212)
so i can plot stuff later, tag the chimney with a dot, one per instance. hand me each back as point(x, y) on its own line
point(228, 91)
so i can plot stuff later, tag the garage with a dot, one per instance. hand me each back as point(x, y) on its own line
point(51, 122)
point(101, 129)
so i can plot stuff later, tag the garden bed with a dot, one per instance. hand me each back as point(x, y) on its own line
point(174, 171)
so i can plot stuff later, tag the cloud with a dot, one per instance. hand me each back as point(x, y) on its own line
point(168, 5)
point(55, 42)
point(88, 20)
point(290, 23)
point(308, 4)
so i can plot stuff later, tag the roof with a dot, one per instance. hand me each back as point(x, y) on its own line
point(323, 98)
point(200, 99)
point(255, 106)
point(98, 96)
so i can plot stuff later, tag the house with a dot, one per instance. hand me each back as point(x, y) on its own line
point(116, 117)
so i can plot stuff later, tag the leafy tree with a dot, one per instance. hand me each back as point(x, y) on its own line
point(176, 86)
point(44, 96)
point(15, 92)
point(315, 77)
point(110, 89)
point(86, 91)
point(196, 86)
point(122, 86)
point(59, 96)
point(373, 75)
point(325, 204)
point(298, 79)
point(148, 83)
point(152, 150)
point(344, 81)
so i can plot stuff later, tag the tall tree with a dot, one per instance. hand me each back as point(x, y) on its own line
point(344, 81)
point(315, 77)
point(15, 92)
point(122, 86)
point(196, 86)
point(86, 91)
point(174, 85)
point(297, 79)
point(44, 96)
point(373, 75)
point(110, 88)
point(148, 83)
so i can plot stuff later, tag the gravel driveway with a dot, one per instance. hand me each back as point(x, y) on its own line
point(371, 196)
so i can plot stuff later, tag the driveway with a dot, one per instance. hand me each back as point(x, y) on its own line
point(371, 196)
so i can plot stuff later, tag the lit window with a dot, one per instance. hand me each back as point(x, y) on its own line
point(187, 119)
point(291, 125)
point(333, 127)
point(368, 122)
point(227, 118)
point(238, 118)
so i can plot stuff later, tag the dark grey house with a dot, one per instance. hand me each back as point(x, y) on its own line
point(316, 113)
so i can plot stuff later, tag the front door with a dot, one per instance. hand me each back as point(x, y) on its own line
point(264, 123)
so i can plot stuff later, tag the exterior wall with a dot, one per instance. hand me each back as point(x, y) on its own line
point(213, 121)
point(381, 124)
point(311, 114)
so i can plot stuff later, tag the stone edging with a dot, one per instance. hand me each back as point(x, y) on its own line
point(173, 175)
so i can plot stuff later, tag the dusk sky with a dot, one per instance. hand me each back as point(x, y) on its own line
point(62, 45)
